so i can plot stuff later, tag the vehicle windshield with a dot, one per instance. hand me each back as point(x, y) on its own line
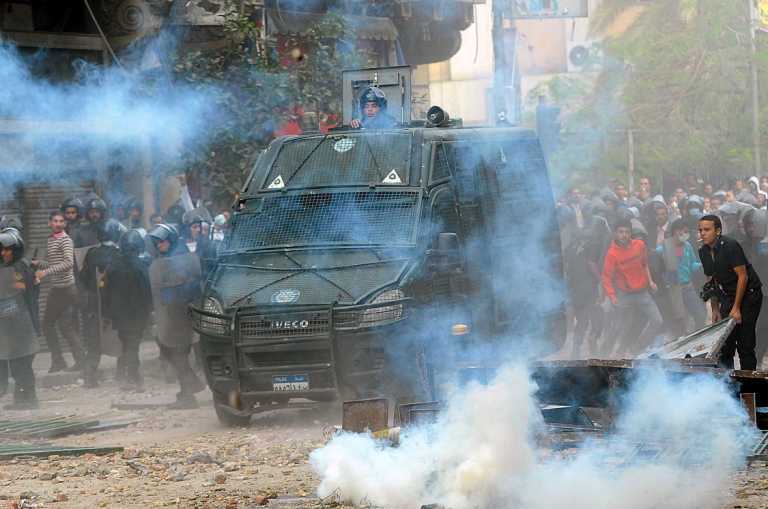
point(338, 218)
point(342, 159)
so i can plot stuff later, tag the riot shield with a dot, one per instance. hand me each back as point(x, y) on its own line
point(174, 279)
point(108, 339)
point(80, 253)
point(17, 333)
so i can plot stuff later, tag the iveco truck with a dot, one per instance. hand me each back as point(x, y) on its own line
point(356, 260)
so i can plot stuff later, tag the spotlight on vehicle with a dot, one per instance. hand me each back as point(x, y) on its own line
point(437, 117)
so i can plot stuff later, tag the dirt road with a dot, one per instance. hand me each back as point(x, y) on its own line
point(186, 459)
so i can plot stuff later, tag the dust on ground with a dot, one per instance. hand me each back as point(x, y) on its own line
point(186, 459)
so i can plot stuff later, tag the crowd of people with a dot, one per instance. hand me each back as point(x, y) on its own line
point(107, 276)
point(636, 263)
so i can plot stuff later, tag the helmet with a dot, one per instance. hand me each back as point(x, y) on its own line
point(175, 213)
point(134, 241)
point(164, 231)
point(11, 237)
point(96, 203)
point(110, 231)
point(10, 222)
point(132, 203)
point(373, 95)
point(72, 202)
point(198, 215)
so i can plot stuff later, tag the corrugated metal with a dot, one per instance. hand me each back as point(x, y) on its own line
point(9, 205)
point(37, 202)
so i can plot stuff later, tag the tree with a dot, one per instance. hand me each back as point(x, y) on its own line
point(259, 87)
point(678, 76)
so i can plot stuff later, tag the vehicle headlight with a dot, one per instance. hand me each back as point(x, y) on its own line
point(382, 314)
point(212, 324)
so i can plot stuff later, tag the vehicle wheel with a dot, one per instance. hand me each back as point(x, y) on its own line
point(229, 419)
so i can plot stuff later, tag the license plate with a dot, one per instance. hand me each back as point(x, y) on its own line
point(290, 383)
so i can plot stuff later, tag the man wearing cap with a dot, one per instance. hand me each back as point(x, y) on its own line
point(373, 109)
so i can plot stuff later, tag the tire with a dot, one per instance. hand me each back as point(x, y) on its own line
point(229, 419)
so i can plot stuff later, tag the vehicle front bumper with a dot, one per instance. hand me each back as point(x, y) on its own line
point(331, 346)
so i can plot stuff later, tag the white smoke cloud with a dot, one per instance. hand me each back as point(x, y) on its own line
point(109, 108)
point(484, 452)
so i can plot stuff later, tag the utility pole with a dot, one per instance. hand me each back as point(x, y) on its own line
point(506, 79)
point(755, 89)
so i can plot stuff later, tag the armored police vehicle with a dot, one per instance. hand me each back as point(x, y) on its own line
point(360, 262)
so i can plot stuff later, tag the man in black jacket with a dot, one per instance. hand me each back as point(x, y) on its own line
point(740, 290)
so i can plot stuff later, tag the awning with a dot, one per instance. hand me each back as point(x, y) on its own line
point(365, 27)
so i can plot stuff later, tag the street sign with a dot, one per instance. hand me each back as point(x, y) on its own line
point(548, 9)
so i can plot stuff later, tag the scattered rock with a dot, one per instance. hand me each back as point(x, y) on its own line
point(177, 475)
point(200, 457)
point(260, 499)
point(219, 477)
point(231, 467)
point(28, 495)
point(46, 476)
point(131, 453)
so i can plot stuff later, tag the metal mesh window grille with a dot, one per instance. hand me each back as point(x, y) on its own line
point(387, 217)
point(288, 325)
point(342, 159)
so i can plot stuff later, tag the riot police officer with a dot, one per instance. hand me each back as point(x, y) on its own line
point(95, 265)
point(95, 215)
point(72, 208)
point(174, 276)
point(19, 320)
point(373, 111)
point(129, 302)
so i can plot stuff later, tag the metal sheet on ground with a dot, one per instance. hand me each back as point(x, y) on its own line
point(58, 427)
point(364, 415)
point(11, 451)
point(704, 343)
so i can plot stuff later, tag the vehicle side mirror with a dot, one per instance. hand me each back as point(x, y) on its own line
point(448, 243)
point(448, 252)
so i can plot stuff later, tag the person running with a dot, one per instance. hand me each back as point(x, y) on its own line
point(58, 269)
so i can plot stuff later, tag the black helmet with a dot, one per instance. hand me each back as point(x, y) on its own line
point(11, 237)
point(373, 95)
point(10, 222)
point(132, 203)
point(110, 231)
point(175, 213)
point(72, 202)
point(134, 241)
point(198, 215)
point(98, 204)
point(164, 231)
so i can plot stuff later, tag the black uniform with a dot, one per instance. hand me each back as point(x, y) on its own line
point(98, 260)
point(718, 263)
point(129, 305)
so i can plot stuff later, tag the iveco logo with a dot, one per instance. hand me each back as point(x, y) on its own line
point(286, 296)
point(289, 324)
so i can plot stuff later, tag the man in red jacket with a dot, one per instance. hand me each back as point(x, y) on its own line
point(627, 283)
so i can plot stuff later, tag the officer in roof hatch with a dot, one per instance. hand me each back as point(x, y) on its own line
point(373, 108)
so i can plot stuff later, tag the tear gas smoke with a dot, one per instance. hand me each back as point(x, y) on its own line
point(482, 452)
point(107, 108)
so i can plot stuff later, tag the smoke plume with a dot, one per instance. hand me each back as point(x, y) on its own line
point(106, 109)
point(675, 444)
